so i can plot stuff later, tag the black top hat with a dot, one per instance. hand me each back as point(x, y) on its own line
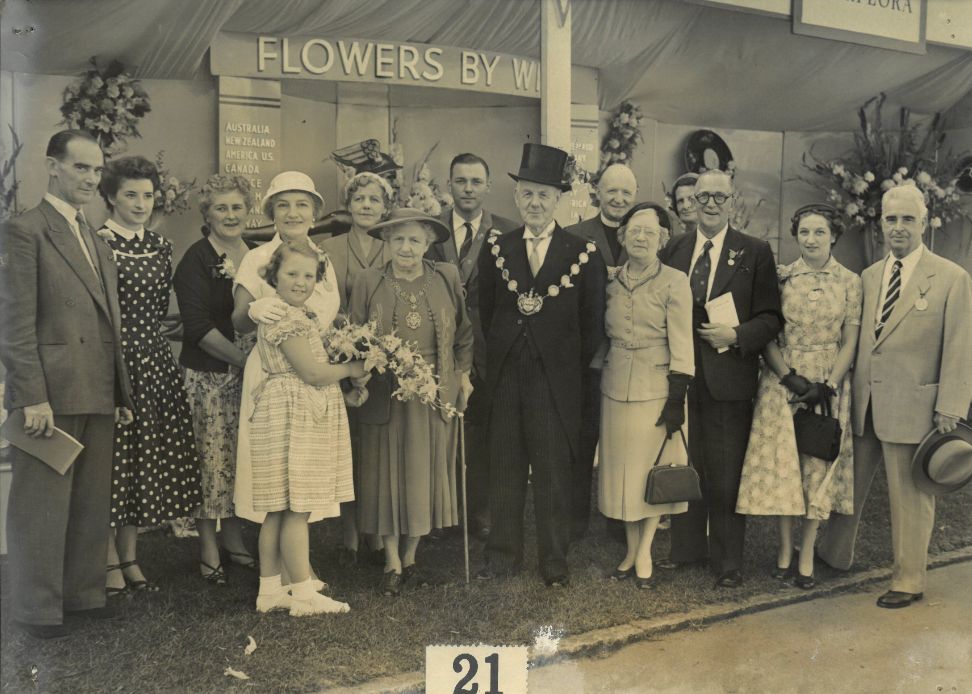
point(543, 164)
point(706, 151)
point(943, 462)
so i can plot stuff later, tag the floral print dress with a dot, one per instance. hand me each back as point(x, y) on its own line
point(776, 479)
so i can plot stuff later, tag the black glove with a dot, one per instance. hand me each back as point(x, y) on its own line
point(795, 383)
point(817, 394)
point(673, 413)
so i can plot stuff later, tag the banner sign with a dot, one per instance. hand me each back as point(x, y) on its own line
point(250, 134)
point(364, 60)
point(894, 24)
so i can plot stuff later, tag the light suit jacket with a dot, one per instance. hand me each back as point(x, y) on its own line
point(59, 333)
point(922, 363)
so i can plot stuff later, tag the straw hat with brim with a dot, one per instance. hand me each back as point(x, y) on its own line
point(404, 215)
point(943, 462)
point(543, 164)
point(291, 180)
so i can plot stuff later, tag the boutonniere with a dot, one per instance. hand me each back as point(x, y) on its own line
point(734, 254)
point(612, 272)
point(225, 269)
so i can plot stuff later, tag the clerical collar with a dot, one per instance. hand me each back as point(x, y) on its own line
point(609, 223)
point(126, 234)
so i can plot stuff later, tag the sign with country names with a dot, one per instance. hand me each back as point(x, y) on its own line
point(366, 60)
point(893, 24)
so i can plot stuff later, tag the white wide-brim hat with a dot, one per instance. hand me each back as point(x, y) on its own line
point(292, 180)
point(943, 462)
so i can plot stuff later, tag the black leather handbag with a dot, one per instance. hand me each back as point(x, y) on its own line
point(669, 484)
point(817, 433)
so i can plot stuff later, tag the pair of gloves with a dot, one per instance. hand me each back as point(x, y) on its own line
point(673, 412)
point(806, 391)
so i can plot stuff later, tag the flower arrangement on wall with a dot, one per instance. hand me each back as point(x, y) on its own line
point(8, 182)
point(173, 193)
point(881, 158)
point(106, 102)
point(624, 134)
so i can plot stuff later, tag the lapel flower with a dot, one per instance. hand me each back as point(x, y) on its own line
point(612, 272)
point(783, 273)
point(225, 269)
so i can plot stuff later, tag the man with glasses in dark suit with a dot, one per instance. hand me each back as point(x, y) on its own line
point(720, 260)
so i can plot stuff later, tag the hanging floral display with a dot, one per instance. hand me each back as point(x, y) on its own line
point(108, 103)
point(881, 159)
point(173, 193)
point(426, 194)
point(624, 134)
point(8, 183)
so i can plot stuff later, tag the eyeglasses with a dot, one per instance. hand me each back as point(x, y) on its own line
point(642, 231)
point(720, 198)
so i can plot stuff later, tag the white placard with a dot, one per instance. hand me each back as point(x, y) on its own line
point(476, 669)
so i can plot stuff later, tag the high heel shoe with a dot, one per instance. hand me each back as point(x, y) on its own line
point(621, 574)
point(644, 583)
point(804, 582)
point(781, 572)
point(141, 585)
point(216, 575)
point(111, 591)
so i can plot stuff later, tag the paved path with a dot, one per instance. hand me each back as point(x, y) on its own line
point(830, 645)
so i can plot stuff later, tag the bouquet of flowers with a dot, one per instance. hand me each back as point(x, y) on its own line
point(426, 194)
point(108, 103)
point(881, 159)
point(623, 135)
point(413, 376)
point(173, 194)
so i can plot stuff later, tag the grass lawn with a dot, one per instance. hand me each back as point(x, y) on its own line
point(182, 638)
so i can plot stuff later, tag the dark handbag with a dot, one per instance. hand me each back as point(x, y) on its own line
point(669, 484)
point(817, 433)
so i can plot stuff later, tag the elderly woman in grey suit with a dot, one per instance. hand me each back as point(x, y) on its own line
point(407, 476)
point(646, 372)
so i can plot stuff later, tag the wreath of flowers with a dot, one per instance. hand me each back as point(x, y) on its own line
point(553, 290)
point(108, 103)
point(624, 134)
point(414, 377)
point(173, 194)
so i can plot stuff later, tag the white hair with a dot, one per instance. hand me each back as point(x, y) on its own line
point(907, 191)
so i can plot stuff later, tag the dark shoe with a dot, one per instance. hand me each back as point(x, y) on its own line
point(729, 579)
point(111, 591)
point(621, 574)
point(391, 584)
point(216, 575)
point(244, 559)
point(780, 572)
point(44, 631)
point(804, 582)
point(139, 586)
point(644, 583)
point(106, 613)
point(414, 577)
point(894, 599)
point(557, 582)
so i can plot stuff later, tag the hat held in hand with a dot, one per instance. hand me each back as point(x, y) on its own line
point(943, 462)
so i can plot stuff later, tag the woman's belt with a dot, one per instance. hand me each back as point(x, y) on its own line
point(813, 348)
point(639, 344)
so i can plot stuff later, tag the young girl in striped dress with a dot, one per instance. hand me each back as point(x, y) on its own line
point(300, 445)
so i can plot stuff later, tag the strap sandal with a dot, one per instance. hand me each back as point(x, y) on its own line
point(216, 575)
point(140, 586)
point(244, 559)
point(111, 591)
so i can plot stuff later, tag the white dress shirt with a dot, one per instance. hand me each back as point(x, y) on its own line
point(70, 213)
point(459, 228)
point(717, 242)
point(908, 264)
point(541, 245)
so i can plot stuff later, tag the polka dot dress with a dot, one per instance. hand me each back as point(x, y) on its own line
point(155, 476)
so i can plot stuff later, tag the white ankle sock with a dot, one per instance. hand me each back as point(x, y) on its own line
point(270, 585)
point(303, 590)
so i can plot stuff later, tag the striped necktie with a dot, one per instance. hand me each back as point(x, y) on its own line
point(466, 242)
point(894, 291)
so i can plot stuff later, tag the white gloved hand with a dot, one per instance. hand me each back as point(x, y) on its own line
point(269, 309)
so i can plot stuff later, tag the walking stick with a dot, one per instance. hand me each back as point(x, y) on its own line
point(465, 508)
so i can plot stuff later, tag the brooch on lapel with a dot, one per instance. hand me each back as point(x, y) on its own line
point(733, 254)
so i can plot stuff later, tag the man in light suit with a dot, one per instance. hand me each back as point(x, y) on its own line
point(61, 347)
point(471, 223)
point(913, 373)
point(720, 260)
point(616, 191)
